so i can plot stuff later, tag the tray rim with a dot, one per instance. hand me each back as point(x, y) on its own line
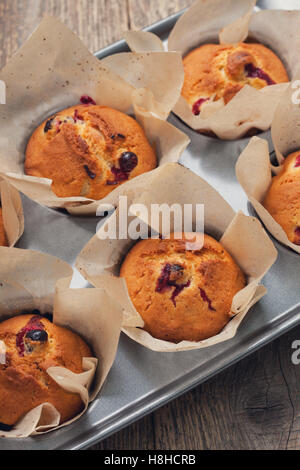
point(158, 28)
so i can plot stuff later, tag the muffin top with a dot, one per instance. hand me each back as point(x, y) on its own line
point(88, 150)
point(283, 197)
point(181, 291)
point(220, 71)
point(3, 239)
point(33, 344)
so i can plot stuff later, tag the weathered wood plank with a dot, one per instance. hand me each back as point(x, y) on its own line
point(145, 12)
point(97, 22)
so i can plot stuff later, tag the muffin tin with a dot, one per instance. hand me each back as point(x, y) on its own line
point(141, 380)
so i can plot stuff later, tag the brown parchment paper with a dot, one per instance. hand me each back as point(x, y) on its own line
point(245, 239)
point(57, 69)
point(254, 173)
point(285, 125)
point(231, 21)
point(12, 212)
point(31, 280)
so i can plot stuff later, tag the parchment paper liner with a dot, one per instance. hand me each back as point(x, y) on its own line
point(233, 21)
point(32, 280)
point(57, 69)
point(100, 260)
point(254, 172)
point(12, 212)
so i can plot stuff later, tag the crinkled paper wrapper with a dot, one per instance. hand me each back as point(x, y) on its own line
point(56, 69)
point(254, 169)
point(12, 212)
point(32, 280)
point(231, 21)
point(245, 239)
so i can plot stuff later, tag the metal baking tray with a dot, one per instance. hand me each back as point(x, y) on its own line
point(141, 380)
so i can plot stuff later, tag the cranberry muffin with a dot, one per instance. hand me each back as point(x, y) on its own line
point(88, 150)
point(182, 292)
point(3, 239)
point(215, 71)
point(33, 344)
point(283, 198)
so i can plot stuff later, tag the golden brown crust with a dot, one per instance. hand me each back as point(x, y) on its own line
point(283, 198)
point(182, 294)
point(24, 382)
point(80, 147)
point(220, 71)
point(3, 239)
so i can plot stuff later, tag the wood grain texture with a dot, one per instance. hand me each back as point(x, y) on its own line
point(144, 12)
point(97, 22)
point(254, 404)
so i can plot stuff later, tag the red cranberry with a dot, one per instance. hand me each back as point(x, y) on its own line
point(297, 236)
point(48, 125)
point(115, 136)
point(255, 72)
point(165, 282)
point(85, 99)
point(33, 324)
point(177, 291)
point(119, 175)
point(77, 117)
point(57, 125)
point(206, 299)
point(128, 161)
point(297, 161)
point(37, 335)
point(197, 106)
point(89, 172)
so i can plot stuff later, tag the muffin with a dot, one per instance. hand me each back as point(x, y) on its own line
point(33, 344)
point(283, 198)
point(182, 292)
point(215, 71)
point(88, 150)
point(3, 239)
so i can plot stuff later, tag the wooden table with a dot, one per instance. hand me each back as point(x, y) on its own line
point(254, 404)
